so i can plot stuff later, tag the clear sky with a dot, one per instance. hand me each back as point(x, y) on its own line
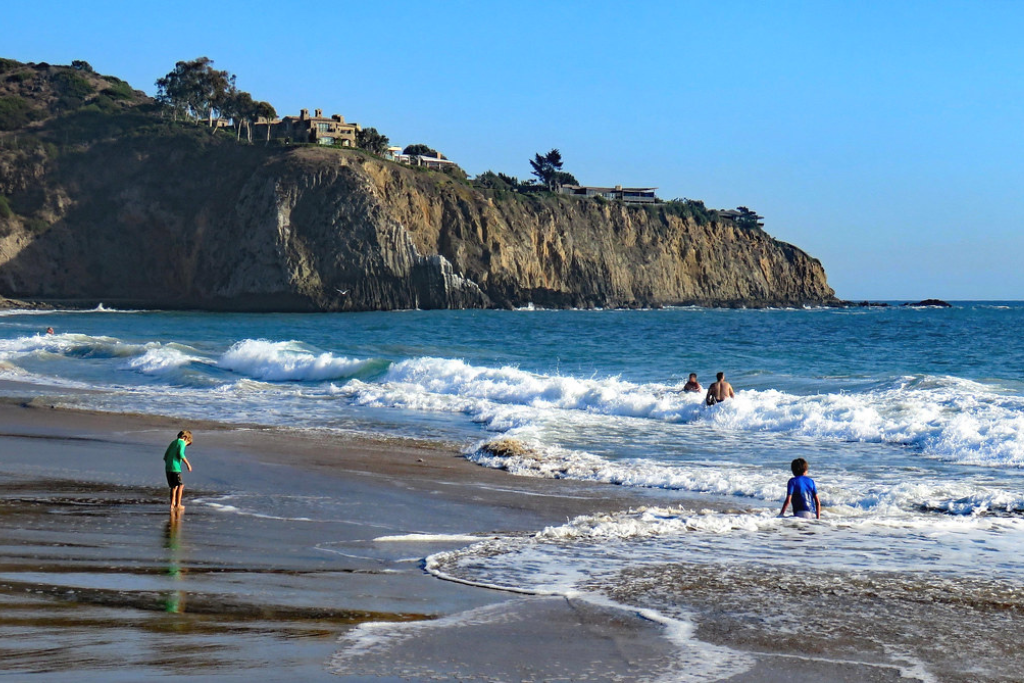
point(884, 138)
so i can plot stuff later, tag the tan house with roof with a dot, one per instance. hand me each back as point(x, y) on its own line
point(305, 128)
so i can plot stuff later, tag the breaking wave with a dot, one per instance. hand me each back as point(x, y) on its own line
point(942, 417)
point(291, 361)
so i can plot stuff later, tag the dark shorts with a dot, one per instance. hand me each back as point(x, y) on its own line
point(174, 479)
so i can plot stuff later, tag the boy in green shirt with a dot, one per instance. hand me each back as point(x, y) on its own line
point(173, 457)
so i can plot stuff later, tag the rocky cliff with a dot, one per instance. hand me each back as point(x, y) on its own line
point(150, 213)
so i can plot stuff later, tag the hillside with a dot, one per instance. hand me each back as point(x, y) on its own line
point(103, 199)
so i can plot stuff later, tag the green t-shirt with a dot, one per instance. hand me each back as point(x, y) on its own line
point(173, 455)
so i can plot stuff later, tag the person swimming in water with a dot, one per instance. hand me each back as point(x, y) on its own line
point(719, 391)
point(692, 384)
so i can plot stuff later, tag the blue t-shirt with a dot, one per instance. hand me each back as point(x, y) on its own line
point(802, 489)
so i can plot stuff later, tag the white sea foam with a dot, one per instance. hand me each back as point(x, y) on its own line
point(572, 558)
point(287, 361)
point(695, 660)
point(649, 522)
point(943, 417)
point(100, 308)
point(373, 648)
point(10, 312)
point(427, 538)
point(849, 494)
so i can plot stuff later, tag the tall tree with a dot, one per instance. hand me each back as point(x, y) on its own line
point(372, 141)
point(266, 111)
point(548, 169)
point(241, 109)
point(195, 89)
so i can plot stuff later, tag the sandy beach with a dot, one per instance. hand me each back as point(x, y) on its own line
point(97, 583)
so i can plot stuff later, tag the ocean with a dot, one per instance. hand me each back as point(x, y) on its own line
point(912, 421)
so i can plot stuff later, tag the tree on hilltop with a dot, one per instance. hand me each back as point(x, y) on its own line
point(266, 111)
point(422, 150)
point(548, 169)
point(372, 141)
point(239, 106)
point(195, 89)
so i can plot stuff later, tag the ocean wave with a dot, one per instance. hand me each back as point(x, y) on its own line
point(163, 359)
point(290, 361)
point(941, 417)
point(71, 345)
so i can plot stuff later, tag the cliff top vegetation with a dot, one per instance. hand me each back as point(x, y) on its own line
point(49, 110)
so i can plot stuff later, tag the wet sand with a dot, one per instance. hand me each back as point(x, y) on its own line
point(98, 583)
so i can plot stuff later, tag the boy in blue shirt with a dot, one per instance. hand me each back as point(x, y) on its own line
point(802, 491)
point(173, 457)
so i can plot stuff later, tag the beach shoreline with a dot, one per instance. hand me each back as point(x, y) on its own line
point(87, 545)
point(97, 580)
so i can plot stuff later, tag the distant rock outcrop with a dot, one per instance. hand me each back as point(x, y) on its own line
point(143, 212)
point(930, 303)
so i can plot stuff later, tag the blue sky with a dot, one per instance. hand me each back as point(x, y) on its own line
point(884, 138)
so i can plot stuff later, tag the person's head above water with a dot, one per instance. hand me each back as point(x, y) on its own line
point(799, 467)
point(720, 376)
point(693, 376)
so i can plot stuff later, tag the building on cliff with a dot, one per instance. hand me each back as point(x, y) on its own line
point(305, 128)
point(436, 161)
point(743, 216)
point(629, 195)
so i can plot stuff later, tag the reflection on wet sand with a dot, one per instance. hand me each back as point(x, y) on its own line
point(174, 601)
point(81, 587)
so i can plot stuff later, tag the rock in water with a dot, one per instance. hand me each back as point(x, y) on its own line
point(936, 303)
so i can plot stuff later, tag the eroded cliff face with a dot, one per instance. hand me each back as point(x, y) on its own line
point(224, 226)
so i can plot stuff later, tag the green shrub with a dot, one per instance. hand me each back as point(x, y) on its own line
point(37, 225)
point(15, 113)
point(456, 173)
point(19, 77)
point(71, 84)
point(489, 180)
point(693, 209)
point(5, 207)
point(8, 65)
point(68, 103)
point(105, 104)
point(119, 91)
